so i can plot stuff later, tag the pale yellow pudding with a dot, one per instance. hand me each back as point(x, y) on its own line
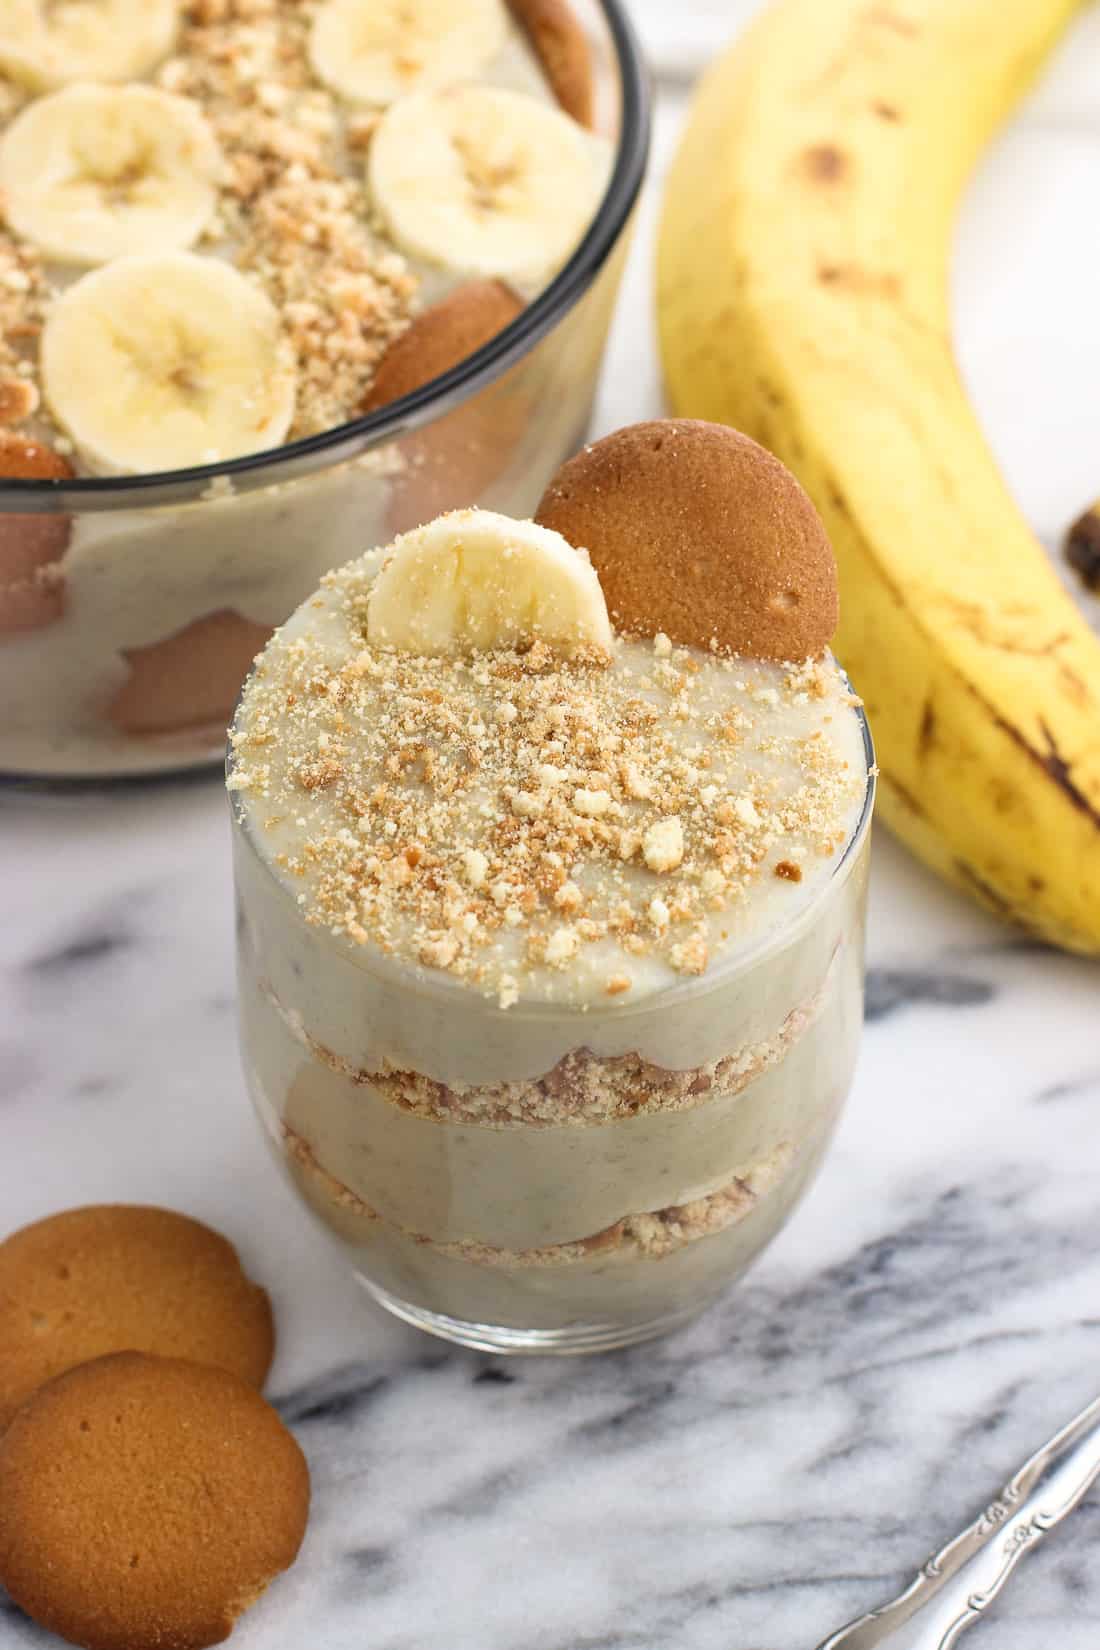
point(551, 954)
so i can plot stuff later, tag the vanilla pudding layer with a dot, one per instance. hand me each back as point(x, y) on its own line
point(740, 1073)
point(650, 1269)
point(522, 1185)
point(374, 1014)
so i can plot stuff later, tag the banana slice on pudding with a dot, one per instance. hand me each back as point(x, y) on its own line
point(376, 51)
point(50, 43)
point(163, 361)
point(98, 172)
point(485, 182)
point(474, 580)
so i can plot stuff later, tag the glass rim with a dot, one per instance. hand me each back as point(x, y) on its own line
point(354, 438)
point(422, 981)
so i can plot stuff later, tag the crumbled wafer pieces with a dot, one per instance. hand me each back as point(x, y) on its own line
point(582, 1088)
point(296, 215)
point(451, 809)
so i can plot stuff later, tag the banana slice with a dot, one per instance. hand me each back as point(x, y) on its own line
point(375, 51)
point(485, 181)
point(475, 580)
point(49, 43)
point(166, 360)
point(97, 172)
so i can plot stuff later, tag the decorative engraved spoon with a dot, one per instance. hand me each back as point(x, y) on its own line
point(1046, 1488)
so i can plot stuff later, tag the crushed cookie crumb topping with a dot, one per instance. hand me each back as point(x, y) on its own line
point(512, 816)
point(293, 210)
point(292, 214)
point(24, 294)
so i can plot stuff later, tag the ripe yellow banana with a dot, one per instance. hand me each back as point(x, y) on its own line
point(802, 290)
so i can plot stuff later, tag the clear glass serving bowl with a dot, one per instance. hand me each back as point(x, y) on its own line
point(422, 1123)
point(215, 556)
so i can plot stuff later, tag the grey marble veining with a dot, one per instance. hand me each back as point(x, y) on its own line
point(930, 1315)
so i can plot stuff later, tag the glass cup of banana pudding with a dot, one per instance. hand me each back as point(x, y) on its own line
point(550, 846)
point(278, 278)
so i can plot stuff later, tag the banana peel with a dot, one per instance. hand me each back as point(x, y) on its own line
point(802, 281)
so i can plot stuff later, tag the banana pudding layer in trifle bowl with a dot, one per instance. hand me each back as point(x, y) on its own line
point(278, 278)
point(551, 845)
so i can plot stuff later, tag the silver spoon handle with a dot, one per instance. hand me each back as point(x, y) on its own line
point(1045, 1489)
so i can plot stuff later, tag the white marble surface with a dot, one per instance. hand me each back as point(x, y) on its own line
point(933, 1311)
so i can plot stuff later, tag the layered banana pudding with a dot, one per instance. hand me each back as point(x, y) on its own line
point(550, 854)
point(230, 225)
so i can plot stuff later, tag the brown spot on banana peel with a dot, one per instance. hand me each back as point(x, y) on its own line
point(1083, 548)
point(838, 502)
point(1061, 772)
point(886, 17)
point(825, 163)
point(887, 112)
point(1005, 797)
point(1050, 761)
point(1073, 686)
point(991, 898)
point(906, 797)
point(927, 735)
point(849, 278)
point(958, 869)
point(990, 629)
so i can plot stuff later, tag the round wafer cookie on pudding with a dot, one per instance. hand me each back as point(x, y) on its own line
point(698, 532)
